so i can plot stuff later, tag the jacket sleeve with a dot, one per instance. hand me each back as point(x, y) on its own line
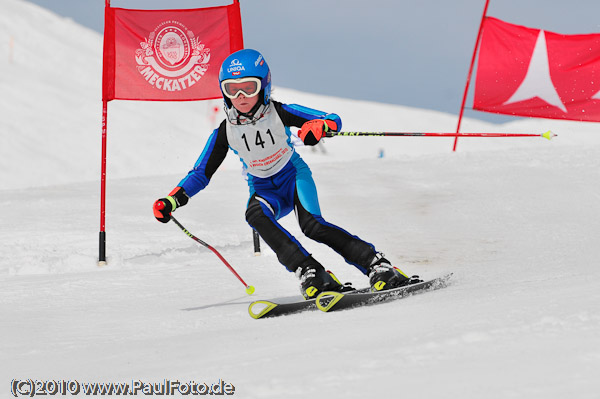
point(296, 115)
point(207, 164)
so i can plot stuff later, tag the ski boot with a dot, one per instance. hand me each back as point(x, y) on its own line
point(384, 276)
point(314, 279)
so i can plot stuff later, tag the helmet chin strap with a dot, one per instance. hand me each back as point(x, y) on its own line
point(239, 118)
point(250, 115)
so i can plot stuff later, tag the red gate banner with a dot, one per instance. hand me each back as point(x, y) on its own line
point(531, 72)
point(168, 55)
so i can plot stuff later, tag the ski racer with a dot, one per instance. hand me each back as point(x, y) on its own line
point(258, 130)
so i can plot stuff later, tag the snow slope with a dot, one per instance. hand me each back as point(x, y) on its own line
point(516, 220)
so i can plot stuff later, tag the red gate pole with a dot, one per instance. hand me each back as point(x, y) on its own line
point(464, 100)
point(102, 248)
point(102, 235)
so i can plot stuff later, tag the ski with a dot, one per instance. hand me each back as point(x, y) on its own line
point(331, 301)
point(262, 309)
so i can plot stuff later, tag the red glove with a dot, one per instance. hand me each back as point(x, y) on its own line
point(163, 207)
point(312, 131)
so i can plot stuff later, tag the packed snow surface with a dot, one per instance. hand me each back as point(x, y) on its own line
point(516, 221)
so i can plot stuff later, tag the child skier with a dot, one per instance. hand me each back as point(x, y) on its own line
point(257, 129)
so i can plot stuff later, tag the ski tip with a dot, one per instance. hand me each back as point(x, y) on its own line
point(250, 290)
point(258, 309)
point(548, 135)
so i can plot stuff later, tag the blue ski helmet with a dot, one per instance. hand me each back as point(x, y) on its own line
point(247, 63)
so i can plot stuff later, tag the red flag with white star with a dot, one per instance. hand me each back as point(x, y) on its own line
point(530, 72)
point(168, 55)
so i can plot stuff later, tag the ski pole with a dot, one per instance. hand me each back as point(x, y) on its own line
point(547, 135)
point(249, 288)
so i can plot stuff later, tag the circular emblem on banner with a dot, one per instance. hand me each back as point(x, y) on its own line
point(172, 47)
point(172, 58)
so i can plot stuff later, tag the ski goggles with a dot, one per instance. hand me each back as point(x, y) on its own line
point(247, 86)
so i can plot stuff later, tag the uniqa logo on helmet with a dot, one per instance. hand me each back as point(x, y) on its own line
point(172, 58)
point(236, 67)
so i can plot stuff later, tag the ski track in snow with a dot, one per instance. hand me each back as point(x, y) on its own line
point(515, 220)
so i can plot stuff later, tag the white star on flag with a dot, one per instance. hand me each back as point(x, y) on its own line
point(537, 82)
